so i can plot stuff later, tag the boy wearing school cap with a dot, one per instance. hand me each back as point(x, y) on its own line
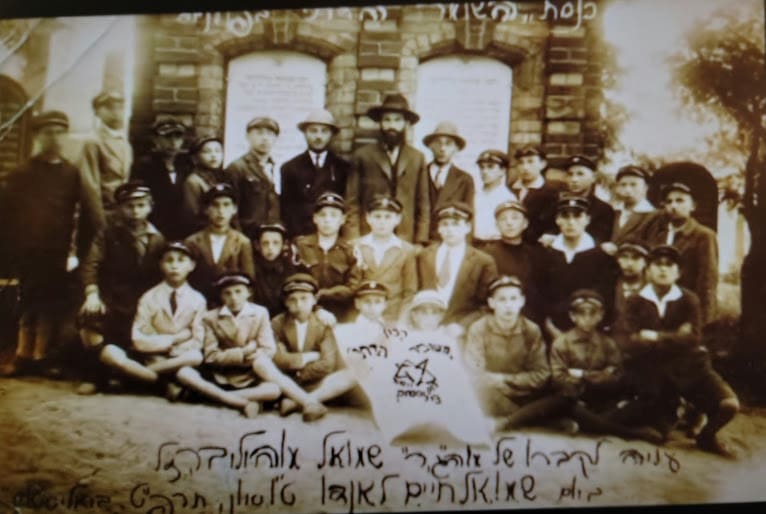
point(697, 244)
point(313, 172)
point(106, 156)
point(447, 182)
point(390, 166)
point(238, 341)
point(514, 256)
point(167, 330)
point(164, 170)
point(581, 180)
point(506, 354)
point(122, 263)
point(458, 271)
point(635, 211)
point(493, 169)
point(219, 248)
point(275, 259)
point(41, 243)
point(631, 257)
point(573, 261)
point(307, 353)
point(532, 190)
point(586, 369)
point(330, 260)
point(207, 154)
point(384, 257)
point(256, 177)
point(660, 336)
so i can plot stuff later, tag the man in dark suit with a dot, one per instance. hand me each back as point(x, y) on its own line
point(164, 171)
point(256, 177)
point(631, 219)
point(447, 182)
point(390, 167)
point(538, 196)
point(460, 273)
point(581, 179)
point(311, 173)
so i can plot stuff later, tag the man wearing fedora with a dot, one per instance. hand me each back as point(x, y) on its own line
point(447, 182)
point(164, 171)
point(309, 174)
point(390, 167)
point(256, 177)
point(106, 156)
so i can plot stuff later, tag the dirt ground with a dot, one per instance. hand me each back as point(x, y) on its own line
point(104, 453)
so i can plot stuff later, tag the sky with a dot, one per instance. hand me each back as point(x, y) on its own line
point(644, 33)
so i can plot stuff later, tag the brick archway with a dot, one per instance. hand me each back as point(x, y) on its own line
point(14, 133)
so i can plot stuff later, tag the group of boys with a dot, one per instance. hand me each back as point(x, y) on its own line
point(256, 264)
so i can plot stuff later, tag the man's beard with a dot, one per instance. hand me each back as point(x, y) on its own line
point(392, 138)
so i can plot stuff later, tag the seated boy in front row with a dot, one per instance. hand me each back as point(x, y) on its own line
point(167, 331)
point(660, 336)
point(307, 352)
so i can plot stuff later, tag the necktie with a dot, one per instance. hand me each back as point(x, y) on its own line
point(173, 302)
point(440, 177)
point(141, 244)
point(316, 161)
point(443, 275)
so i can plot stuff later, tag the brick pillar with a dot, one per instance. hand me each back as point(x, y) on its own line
point(379, 60)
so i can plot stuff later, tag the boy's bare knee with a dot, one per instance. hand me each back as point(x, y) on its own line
point(271, 390)
point(90, 338)
point(730, 404)
point(194, 357)
point(111, 354)
point(187, 375)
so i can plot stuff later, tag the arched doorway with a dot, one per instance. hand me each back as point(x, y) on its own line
point(14, 138)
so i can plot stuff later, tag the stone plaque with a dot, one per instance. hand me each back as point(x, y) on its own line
point(279, 84)
point(475, 93)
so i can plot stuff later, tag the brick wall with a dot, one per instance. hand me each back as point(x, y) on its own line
point(555, 99)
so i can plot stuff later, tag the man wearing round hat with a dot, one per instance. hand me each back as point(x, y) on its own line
point(390, 167)
point(107, 156)
point(311, 173)
point(697, 244)
point(631, 218)
point(257, 178)
point(493, 168)
point(165, 171)
point(581, 180)
point(447, 182)
point(38, 209)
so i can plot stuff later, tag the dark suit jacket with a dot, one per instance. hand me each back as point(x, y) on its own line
point(698, 246)
point(634, 228)
point(601, 219)
point(371, 173)
point(168, 212)
point(474, 276)
point(458, 187)
point(319, 338)
point(237, 255)
point(114, 265)
point(258, 198)
point(541, 211)
point(302, 184)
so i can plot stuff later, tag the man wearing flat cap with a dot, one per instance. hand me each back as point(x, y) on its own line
point(447, 182)
point(534, 192)
point(309, 174)
point(390, 167)
point(38, 209)
point(631, 218)
point(107, 156)
point(581, 180)
point(164, 171)
point(697, 244)
point(257, 178)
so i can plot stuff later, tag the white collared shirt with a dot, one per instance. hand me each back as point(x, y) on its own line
point(457, 253)
point(523, 190)
point(439, 173)
point(274, 174)
point(650, 294)
point(585, 243)
point(625, 213)
point(217, 242)
point(379, 249)
point(247, 310)
point(183, 293)
point(301, 328)
point(393, 154)
point(484, 210)
point(318, 158)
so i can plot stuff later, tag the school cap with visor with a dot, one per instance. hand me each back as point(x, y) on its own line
point(330, 200)
point(385, 203)
point(218, 191)
point(505, 281)
point(633, 171)
point(664, 251)
point(585, 297)
point(510, 205)
point(572, 203)
point(263, 122)
point(455, 210)
point(495, 156)
point(302, 282)
point(232, 279)
point(177, 246)
point(371, 287)
point(131, 191)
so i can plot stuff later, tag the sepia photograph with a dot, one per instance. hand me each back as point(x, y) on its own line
point(396, 257)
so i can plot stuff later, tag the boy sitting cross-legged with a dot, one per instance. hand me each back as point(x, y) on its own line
point(237, 335)
point(167, 331)
point(307, 352)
